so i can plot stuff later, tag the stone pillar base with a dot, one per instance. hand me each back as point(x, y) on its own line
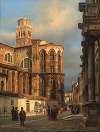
point(91, 115)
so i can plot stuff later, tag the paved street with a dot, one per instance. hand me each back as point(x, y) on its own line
point(43, 125)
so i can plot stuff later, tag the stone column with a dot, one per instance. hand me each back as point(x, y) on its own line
point(62, 63)
point(38, 85)
point(85, 74)
point(9, 84)
point(20, 84)
point(5, 84)
point(99, 73)
point(26, 83)
point(56, 63)
point(47, 63)
point(92, 107)
point(49, 86)
point(16, 82)
point(91, 73)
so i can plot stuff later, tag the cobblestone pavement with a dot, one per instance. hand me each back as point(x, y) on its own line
point(43, 125)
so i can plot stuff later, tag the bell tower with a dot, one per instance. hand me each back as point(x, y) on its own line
point(24, 32)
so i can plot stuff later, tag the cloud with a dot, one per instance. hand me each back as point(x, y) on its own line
point(55, 15)
point(53, 20)
point(7, 37)
point(72, 60)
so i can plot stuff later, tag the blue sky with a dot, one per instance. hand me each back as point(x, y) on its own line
point(52, 20)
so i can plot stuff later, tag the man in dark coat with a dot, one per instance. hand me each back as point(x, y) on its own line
point(16, 113)
point(13, 113)
point(55, 112)
point(22, 116)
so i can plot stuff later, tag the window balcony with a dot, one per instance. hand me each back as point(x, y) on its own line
point(82, 7)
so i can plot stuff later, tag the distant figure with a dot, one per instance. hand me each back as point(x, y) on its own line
point(49, 113)
point(22, 116)
point(55, 112)
point(72, 109)
point(77, 109)
point(13, 113)
point(16, 113)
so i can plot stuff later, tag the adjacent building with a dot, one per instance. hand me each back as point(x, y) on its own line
point(31, 72)
point(91, 60)
point(78, 92)
point(75, 93)
point(68, 97)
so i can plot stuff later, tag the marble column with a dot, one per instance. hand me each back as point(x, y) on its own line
point(9, 83)
point(5, 84)
point(86, 76)
point(99, 73)
point(38, 85)
point(20, 84)
point(91, 73)
point(26, 83)
point(49, 87)
point(62, 63)
point(13, 81)
point(91, 107)
point(16, 82)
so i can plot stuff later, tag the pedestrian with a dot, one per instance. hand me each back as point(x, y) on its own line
point(49, 113)
point(16, 113)
point(22, 115)
point(13, 113)
point(55, 112)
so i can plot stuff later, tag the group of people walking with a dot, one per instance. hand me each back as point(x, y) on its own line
point(15, 114)
point(75, 109)
point(52, 113)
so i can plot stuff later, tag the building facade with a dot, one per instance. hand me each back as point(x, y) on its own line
point(68, 97)
point(32, 70)
point(91, 60)
point(78, 92)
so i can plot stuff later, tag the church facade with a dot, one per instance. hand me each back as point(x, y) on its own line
point(31, 73)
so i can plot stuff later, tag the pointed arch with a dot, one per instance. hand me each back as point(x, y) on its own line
point(43, 57)
point(52, 60)
point(52, 54)
point(26, 63)
point(59, 61)
point(8, 57)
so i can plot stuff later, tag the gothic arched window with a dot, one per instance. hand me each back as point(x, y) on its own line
point(59, 61)
point(43, 88)
point(52, 60)
point(52, 55)
point(8, 57)
point(27, 63)
point(43, 60)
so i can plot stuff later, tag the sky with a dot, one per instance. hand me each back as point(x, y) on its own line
point(52, 20)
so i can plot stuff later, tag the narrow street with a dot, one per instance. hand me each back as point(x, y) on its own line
point(65, 123)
